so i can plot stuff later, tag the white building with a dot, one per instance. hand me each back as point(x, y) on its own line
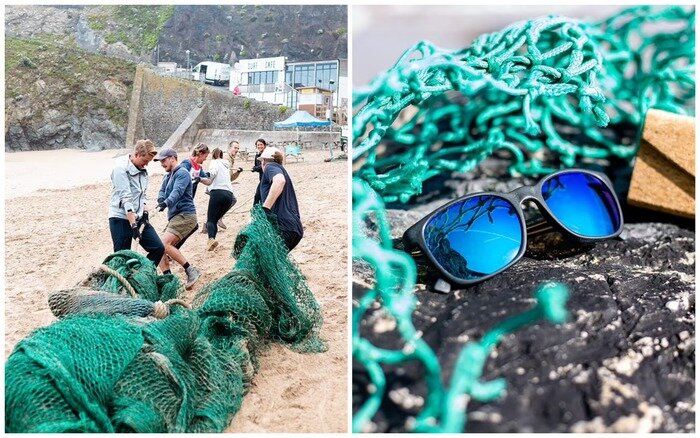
point(167, 67)
point(277, 81)
point(260, 79)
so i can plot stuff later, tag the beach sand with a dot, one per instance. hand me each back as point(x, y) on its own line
point(56, 233)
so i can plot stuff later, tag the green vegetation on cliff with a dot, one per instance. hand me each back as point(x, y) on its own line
point(66, 79)
point(138, 27)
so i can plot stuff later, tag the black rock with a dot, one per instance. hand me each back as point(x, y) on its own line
point(625, 361)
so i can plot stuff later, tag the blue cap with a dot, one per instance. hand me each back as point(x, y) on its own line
point(165, 153)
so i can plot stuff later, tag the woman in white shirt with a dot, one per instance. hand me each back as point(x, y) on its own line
point(221, 197)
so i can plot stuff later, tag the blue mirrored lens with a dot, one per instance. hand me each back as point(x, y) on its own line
point(582, 203)
point(475, 237)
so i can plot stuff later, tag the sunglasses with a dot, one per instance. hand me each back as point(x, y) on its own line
point(478, 236)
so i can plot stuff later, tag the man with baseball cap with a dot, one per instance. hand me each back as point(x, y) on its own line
point(127, 206)
point(279, 198)
point(176, 194)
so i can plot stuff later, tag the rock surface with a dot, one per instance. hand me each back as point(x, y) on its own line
point(59, 96)
point(625, 362)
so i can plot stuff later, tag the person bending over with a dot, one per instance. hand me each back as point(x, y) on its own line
point(176, 195)
point(279, 198)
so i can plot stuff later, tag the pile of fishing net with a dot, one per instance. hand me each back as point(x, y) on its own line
point(548, 93)
point(128, 356)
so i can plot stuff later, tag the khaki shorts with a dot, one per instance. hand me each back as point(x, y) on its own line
point(181, 224)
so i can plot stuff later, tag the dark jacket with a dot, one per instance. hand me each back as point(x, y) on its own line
point(258, 165)
point(176, 192)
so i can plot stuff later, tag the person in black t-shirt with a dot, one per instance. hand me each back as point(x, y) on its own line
point(278, 197)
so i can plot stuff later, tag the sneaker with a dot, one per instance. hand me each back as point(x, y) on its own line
point(221, 224)
point(204, 229)
point(212, 244)
point(192, 275)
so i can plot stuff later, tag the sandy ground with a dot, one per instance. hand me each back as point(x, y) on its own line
point(57, 233)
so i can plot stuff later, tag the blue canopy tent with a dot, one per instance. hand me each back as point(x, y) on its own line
point(301, 119)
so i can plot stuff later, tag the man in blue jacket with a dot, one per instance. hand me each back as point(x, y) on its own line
point(176, 194)
point(127, 206)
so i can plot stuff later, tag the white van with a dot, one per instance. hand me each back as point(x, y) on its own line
point(212, 73)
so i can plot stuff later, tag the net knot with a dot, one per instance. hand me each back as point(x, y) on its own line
point(161, 310)
point(565, 75)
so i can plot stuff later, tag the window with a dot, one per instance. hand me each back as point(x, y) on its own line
point(325, 73)
point(262, 77)
point(303, 76)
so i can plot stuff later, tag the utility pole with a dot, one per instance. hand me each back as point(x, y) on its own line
point(331, 82)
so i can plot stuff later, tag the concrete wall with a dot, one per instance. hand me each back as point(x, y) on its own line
point(220, 138)
point(161, 104)
point(184, 136)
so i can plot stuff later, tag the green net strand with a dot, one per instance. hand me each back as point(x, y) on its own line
point(395, 278)
point(296, 314)
point(466, 380)
point(550, 92)
point(445, 408)
point(141, 274)
point(99, 371)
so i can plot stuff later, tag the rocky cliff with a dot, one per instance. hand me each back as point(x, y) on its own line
point(69, 69)
point(228, 33)
point(59, 96)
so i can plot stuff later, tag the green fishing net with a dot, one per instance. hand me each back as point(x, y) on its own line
point(110, 366)
point(548, 93)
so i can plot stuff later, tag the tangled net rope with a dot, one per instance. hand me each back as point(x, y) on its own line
point(543, 90)
point(108, 366)
point(552, 92)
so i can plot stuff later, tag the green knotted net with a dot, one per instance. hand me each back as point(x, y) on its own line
point(548, 93)
point(109, 366)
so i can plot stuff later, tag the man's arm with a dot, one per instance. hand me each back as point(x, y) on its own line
point(278, 182)
point(233, 171)
point(181, 179)
point(161, 192)
point(120, 180)
point(203, 178)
